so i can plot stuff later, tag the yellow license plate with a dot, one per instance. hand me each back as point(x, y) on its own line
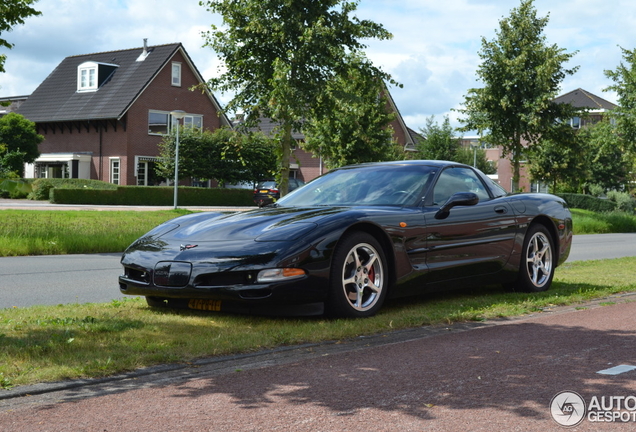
point(264, 191)
point(207, 305)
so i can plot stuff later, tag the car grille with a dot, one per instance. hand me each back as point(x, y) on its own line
point(211, 280)
point(137, 275)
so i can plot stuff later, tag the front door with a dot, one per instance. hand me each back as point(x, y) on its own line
point(472, 240)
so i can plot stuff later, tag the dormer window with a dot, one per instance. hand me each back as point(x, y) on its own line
point(91, 75)
point(87, 77)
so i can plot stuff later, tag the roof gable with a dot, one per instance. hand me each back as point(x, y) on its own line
point(580, 98)
point(57, 98)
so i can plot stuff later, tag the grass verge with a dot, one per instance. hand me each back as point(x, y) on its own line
point(50, 343)
point(55, 232)
point(589, 222)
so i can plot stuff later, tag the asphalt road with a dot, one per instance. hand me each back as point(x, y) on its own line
point(56, 279)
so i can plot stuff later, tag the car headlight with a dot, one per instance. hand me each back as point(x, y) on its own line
point(279, 274)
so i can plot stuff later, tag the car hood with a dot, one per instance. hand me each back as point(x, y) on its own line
point(267, 224)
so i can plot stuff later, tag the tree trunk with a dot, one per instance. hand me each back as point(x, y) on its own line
point(286, 142)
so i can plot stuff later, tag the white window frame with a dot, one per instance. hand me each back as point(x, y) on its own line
point(193, 120)
point(87, 70)
point(115, 171)
point(175, 79)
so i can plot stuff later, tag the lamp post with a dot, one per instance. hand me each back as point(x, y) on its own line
point(177, 114)
point(475, 146)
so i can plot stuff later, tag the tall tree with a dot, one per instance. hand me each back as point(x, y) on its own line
point(358, 126)
point(21, 140)
point(440, 141)
point(607, 162)
point(280, 55)
point(624, 78)
point(12, 13)
point(560, 163)
point(521, 75)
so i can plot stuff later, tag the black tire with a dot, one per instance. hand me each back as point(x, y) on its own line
point(537, 261)
point(359, 277)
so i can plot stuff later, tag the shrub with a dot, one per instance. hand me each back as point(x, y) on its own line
point(624, 202)
point(154, 196)
point(588, 202)
point(41, 189)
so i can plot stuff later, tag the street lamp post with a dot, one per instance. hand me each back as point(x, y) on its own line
point(475, 146)
point(177, 114)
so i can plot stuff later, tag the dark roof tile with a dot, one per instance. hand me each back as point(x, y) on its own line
point(57, 98)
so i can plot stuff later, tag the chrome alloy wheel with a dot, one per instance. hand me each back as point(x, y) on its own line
point(539, 259)
point(362, 277)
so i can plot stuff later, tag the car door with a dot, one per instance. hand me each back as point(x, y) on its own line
point(471, 240)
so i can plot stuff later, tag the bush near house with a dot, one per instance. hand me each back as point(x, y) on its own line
point(153, 196)
point(588, 202)
point(42, 186)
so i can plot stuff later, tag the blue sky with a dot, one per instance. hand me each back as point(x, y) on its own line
point(434, 51)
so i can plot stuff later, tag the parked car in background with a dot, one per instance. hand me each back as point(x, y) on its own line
point(351, 238)
point(266, 192)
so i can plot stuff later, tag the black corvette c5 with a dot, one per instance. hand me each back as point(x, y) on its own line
point(351, 238)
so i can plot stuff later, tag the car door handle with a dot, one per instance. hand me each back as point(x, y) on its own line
point(501, 210)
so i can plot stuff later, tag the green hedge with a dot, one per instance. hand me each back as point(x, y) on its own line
point(43, 186)
point(154, 196)
point(588, 202)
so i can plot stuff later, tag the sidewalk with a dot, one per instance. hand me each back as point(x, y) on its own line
point(25, 204)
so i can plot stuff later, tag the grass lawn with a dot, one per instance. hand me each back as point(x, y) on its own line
point(50, 343)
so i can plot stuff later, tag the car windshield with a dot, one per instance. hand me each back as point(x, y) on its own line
point(364, 185)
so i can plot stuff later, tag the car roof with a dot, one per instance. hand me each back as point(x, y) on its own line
point(435, 163)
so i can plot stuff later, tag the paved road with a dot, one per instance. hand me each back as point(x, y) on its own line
point(56, 279)
point(497, 376)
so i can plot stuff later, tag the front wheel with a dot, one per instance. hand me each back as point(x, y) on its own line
point(537, 263)
point(359, 277)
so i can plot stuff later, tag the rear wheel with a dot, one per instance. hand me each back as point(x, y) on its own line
point(537, 265)
point(359, 277)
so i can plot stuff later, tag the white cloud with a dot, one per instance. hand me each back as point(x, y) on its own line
point(434, 51)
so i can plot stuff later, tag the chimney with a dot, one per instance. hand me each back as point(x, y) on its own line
point(145, 51)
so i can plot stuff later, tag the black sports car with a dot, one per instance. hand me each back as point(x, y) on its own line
point(351, 238)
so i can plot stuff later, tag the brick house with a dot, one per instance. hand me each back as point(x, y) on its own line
point(594, 108)
point(103, 115)
point(307, 166)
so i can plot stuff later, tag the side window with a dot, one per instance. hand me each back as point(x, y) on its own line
point(458, 179)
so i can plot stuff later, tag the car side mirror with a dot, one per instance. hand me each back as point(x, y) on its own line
point(459, 199)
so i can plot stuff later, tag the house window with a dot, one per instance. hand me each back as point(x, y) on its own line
point(91, 75)
point(176, 74)
point(193, 121)
point(576, 122)
point(158, 122)
point(114, 170)
point(87, 77)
